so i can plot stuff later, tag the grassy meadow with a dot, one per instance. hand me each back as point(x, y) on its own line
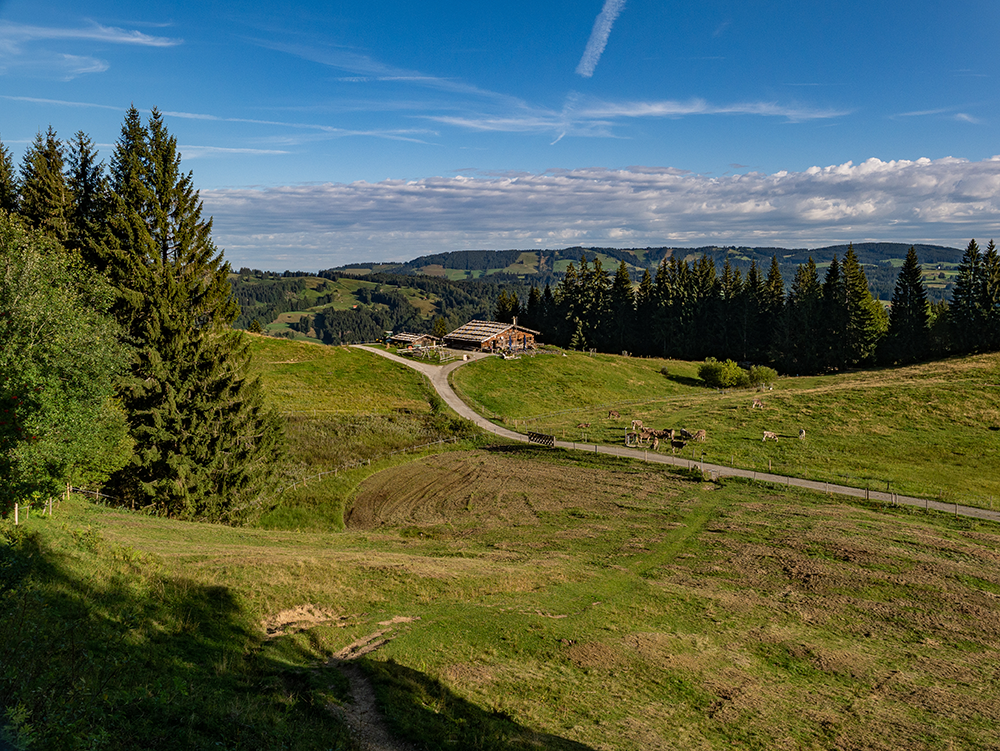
point(341, 406)
point(930, 430)
point(523, 598)
point(513, 597)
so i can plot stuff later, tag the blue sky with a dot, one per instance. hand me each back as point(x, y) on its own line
point(327, 133)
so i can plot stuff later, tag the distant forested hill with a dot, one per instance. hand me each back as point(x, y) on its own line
point(881, 261)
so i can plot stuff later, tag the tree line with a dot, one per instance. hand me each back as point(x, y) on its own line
point(119, 366)
point(693, 311)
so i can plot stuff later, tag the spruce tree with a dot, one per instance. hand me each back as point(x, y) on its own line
point(866, 318)
point(771, 304)
point(908, 338)
point(990, 297)
point(44, 199)
point(748, 313)
point(730, 290)
point(802, 327)
point(833, 353)
point(621, 314)
point(533, 309)
point(645, 315)
point(206, 444)
point(8, 181)
point(89, 204)
point(967, 316)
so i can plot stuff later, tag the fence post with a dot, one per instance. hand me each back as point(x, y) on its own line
point(16, 521)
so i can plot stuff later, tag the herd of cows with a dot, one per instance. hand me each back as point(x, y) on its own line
point(640, 435)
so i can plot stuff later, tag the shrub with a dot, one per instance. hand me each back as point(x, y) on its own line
point(761, 375)
point(723, 375)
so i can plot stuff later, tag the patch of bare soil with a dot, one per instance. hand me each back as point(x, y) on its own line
point(594, 655)
point(490, 490)
point(302, 618)
point(368, 727)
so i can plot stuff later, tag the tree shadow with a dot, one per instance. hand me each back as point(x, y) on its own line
point(426, 712)
point(686, 380)
point(130, 658)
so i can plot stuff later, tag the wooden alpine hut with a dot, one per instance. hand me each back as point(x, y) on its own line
point(416, 341)
point(492, 336)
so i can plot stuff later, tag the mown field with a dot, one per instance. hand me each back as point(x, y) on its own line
point(501, 597)
point(929, 430)
point(341, 407)
point(523, 599)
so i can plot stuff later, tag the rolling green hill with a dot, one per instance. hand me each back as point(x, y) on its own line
point(512, 597)
point(928, 430)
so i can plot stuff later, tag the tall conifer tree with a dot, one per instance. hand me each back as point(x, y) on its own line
point(991, 297)
point(8, 181)
point(621, 312)
point(908, 338)
point(866, 318)
point(206, 445)
point(968, 318)
point(802, 323)
point(44, 200)
point(89, 204)
point(835, 318)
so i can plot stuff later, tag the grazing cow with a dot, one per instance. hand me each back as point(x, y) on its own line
point(685, 435)
point(631, 439)
point(668, 433)
point(583, 425)
point(802, 434)
point(757, 404)
point(769, 434)
point(645, 435)
point(678, 444)
point(612, 415)
point(637, 425)
point(699, 435)
point(656, 443)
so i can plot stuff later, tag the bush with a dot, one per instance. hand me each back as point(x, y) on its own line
point(723, 375)
point(761, 375)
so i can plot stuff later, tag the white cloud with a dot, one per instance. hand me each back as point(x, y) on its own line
point(316, 226)
point(599, 37)
point(20, 51)
point(15, 33)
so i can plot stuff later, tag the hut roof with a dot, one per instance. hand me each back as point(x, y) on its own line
point(481, 331)
point(411, 338)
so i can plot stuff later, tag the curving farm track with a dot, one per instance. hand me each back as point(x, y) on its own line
point(438, 376)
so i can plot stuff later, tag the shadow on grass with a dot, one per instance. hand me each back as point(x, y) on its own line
point(99, 650)
point(686, 381)
point(425, 712)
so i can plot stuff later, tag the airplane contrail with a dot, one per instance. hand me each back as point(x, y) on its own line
point(599, 37)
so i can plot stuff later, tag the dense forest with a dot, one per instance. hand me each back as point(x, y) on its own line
point(694, 311)
point(119, 366)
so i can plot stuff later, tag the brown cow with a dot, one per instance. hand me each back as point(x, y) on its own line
point(769, 434)
point(699, 435)
point(583, 425)
point(612, 415)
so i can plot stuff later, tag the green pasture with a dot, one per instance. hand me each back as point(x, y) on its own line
point(342, 406)
point(548, 600)
point(929, 430)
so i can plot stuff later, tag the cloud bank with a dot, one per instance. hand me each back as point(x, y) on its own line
point(599, 37)
point(944, 201)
